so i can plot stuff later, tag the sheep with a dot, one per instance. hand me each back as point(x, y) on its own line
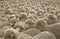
point(3, 24)
point(23, 16)
point(51, 19)
point(44, 35)
point(20, 25)
point(3, 19)
point(11, 34)
point(13, 19)
point(29, 23)
point(41, 24)
point(55, 29)
point(8, 11)
point(2, 30)
point(32, 31)
point(32, 16)
point(24, 36)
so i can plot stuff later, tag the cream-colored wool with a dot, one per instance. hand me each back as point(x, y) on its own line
point(41, 24)
point(24, 36)
point(32, 32)
point(44, 35)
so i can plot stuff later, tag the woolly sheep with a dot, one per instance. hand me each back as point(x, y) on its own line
point(29, 23)
point(2, 30)
point(32, 31)
point(8, 11)
point(23, 16)
point(24, 36)
point(55, 29)
point(44, 35)
point(20, 25)
point(51, 19)
point(10, 34)
point(41, 24)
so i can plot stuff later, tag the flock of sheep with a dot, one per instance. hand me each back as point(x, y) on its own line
point(29, 19)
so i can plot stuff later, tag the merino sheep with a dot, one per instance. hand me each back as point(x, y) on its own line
point(41, 25)
point(51, 19)
point(55, 29)
point(32, 31)
point(10, 34)
point(2, 30)
point(23, 16)
point(29, 23)
point(24, 36)
point(20, 25)
point(44, 35)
